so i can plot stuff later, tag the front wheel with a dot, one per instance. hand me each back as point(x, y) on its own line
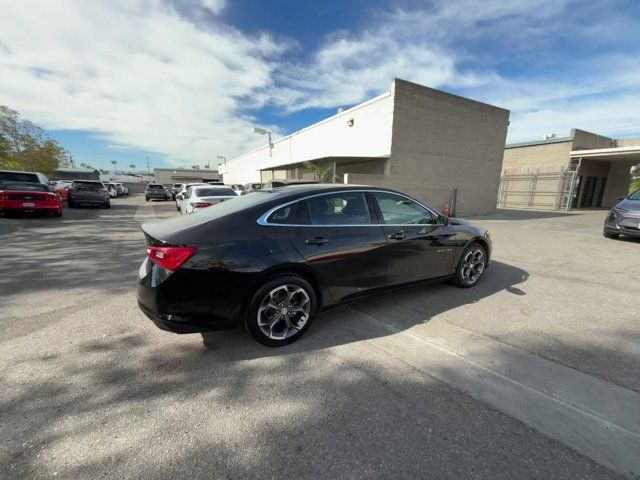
point(471, 266)
point(281, 310)
point(146, 199)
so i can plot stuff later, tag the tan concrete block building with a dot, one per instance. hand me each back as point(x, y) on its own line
point(438, 147)
point(584, 170)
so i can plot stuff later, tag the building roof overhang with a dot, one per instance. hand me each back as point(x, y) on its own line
point(616, 153)
point(327, 161)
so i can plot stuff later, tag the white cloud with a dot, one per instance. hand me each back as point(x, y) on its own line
point(163, 75)
point(135, 72)
point(438, 46)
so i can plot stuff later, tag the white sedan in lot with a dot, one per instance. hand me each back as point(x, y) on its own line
point(183, 193)
point(199, 197)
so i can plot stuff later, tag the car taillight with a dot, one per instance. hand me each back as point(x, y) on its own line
point(102, 190)
point(200, 204)
point(170, 258)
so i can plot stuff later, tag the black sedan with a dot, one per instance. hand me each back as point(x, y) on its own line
point(624, 218)
point(273, 259)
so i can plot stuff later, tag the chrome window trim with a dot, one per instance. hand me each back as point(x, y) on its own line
point(263, 218)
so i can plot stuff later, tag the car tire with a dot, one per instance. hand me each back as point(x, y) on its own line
point(471, 266)
point(146, 199)
point(57, 213)
point(284, 292)
point(70, 204)
point(613, 236)
point(107, 205)
point(177, 208)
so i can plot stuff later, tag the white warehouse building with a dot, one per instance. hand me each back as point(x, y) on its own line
point(438, 147)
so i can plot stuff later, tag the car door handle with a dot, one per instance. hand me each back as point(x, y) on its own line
point(398, 235)
point(317, 241)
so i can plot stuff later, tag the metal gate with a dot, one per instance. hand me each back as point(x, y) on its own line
point(539, 190)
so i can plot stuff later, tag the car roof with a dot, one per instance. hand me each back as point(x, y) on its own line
point(87, 181)
point(17, 171)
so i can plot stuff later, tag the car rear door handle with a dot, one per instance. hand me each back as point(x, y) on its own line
point(317, 241)
point(398, 235)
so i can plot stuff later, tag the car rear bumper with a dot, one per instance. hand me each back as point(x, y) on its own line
point(159, 196)
point(38, 207)
point(164, 299)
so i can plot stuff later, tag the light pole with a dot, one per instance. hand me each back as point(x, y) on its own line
point(263, 131)
point(114, 163)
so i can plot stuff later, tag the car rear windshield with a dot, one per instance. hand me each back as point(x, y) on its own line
point(87, 185)
point(19, 177)
point(177, 185)
point(155, 187)
point(24, 187)
point(215, 192)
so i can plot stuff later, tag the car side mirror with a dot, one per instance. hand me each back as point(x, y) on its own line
point(442, 220)
point(620, 198)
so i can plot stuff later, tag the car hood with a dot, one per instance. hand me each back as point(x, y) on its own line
point(629, 205)
point(459, 221)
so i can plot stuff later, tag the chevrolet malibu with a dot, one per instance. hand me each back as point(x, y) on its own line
point(272, 260)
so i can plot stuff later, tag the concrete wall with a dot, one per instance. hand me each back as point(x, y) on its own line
point(583, 140)
point(618, 181)
point(368, 136)
point(548, 157)
point(183, 175)
point(442, 142)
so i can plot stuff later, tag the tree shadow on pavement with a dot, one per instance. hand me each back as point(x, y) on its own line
point(126, 405)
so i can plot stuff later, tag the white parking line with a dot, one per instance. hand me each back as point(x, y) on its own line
point(599, 419)
point(144, 213)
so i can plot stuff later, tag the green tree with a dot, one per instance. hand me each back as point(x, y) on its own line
point(27, 147)
point(322, 174)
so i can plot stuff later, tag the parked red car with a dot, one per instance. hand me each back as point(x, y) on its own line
point(29, 197)
point(62, 189)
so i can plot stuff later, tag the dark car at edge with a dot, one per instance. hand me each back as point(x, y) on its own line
point(273, 259)
point(624, 218)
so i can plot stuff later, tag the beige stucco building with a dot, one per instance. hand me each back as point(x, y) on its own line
point(436, 146)
point(583, 170)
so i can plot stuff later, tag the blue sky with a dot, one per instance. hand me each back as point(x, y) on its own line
point(182, 81)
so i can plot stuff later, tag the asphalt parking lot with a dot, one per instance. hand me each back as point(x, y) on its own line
point(535, 373)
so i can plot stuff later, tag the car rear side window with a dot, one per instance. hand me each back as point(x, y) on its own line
point(343, 208)
point(398, 210)
point(292, 214)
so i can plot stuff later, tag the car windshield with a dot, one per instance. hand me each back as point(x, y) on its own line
point(214, 192)
point(24, 186)
point(635, 195)
point(19, 177)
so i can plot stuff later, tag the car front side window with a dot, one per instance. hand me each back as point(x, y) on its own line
point(399, 210)
point(343, 208)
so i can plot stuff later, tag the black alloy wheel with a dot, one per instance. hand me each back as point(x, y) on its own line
point(281, 310)
point(471, 266)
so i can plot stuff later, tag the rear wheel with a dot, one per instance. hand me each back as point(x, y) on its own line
point(608, 234)
point(146, 199)
point(57, 213)
point(107, 205)
point(281, 310)
point(471, 266)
